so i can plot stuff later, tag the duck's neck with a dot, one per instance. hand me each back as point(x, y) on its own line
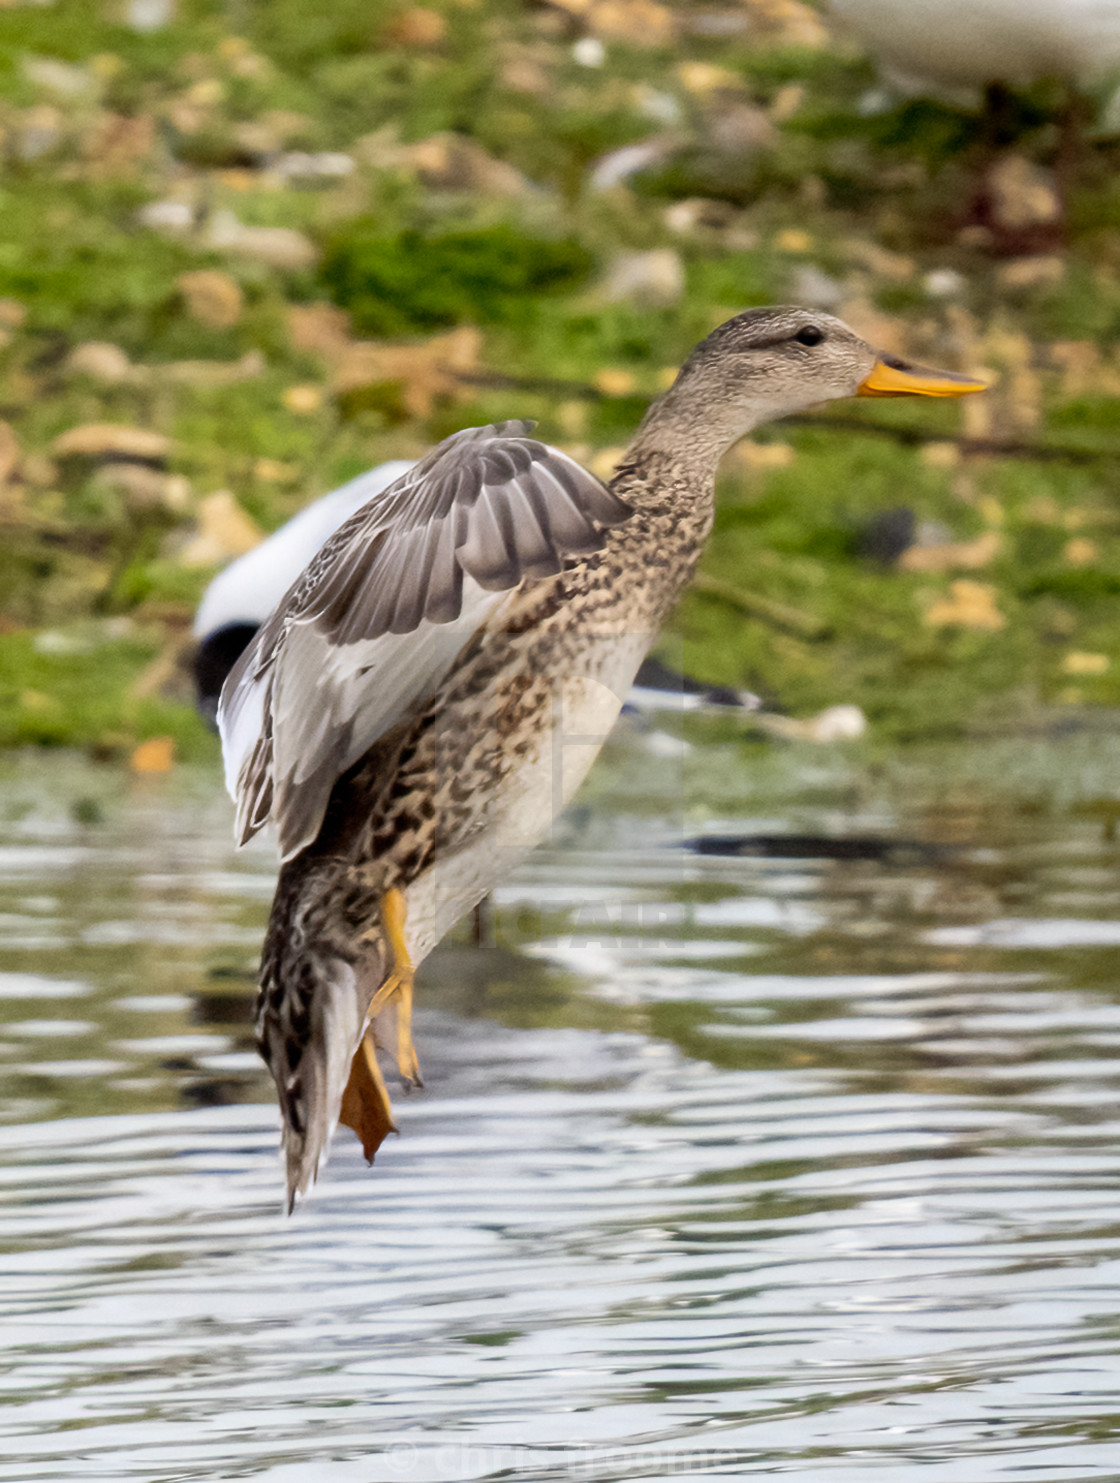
point(679, 445)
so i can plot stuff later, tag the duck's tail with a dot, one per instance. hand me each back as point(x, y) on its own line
point(311, 1019)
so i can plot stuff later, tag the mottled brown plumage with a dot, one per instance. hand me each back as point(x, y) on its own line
point(427, 697)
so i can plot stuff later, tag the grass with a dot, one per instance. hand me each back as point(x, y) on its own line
point(870, 196)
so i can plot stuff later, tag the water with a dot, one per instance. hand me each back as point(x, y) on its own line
point(725, 1166)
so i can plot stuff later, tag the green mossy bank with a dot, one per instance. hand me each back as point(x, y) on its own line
point(307, 242)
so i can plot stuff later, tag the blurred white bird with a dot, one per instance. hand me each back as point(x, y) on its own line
point(946, 45)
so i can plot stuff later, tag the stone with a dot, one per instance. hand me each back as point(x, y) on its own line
point(146, 488)
point(418, 27)
point(211, 297)
point(698, 214)
point(107, 441)
point(521, 72)
point(1081, 551)
point(213, 372)
point(944, 283)
point(634, 22)
point(589, 51)
point(39, 471)
point(814, 288)
point(1044, 270)
point(100, 361)
point(787, 23)
point(147, 16)
point(426, 373)
point(58, 77)
point(169, 218)
point(278, 247)
point(116, 145)
point(654, 278)
point(786, 102)
point(224, 531)
point(299, 167)
point(319, 329)
point(736, 128)
point(1022, 194)
point(834, 724)
point(37, 132)
point(256, 138)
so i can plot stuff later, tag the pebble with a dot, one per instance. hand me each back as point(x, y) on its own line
point(172, 218)
point(212, 298)
point(278, 247)
point(655, 278)
point(61, 78)
point(1032, 272)
point(589, 51)
point(816, 289)
point(100, 361)
point(944, 283)
point(224, 531)
point(106, 440)
point(299, 167)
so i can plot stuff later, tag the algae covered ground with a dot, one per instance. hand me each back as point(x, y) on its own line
point(248, 250)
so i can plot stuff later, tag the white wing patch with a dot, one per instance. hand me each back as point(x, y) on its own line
point(326, 701)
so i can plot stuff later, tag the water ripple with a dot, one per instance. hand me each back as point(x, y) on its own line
point(733, 1169)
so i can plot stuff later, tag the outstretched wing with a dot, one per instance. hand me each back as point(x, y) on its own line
point(375, 623)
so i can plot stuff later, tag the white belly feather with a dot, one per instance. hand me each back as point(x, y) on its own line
point(524, 810)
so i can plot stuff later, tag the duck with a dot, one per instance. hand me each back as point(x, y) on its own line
point(429, 694)
point(949, 45)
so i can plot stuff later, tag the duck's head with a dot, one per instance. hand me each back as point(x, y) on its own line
point(767, 363)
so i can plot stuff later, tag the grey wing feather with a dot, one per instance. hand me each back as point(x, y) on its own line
point(378, 618)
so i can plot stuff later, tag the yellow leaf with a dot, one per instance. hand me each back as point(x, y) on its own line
point(1085, 664)
point(969, 605)
point(155, 755)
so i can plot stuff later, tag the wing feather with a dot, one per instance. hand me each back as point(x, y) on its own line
point(369, 631)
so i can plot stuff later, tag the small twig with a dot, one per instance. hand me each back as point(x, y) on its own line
point(777, 614)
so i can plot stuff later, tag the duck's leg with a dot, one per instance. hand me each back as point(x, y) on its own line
point(365, 1101)
point(397, 985)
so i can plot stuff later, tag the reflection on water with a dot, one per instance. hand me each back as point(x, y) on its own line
point(726, 1164)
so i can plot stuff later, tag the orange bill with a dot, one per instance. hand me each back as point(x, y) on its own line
point(890, 376)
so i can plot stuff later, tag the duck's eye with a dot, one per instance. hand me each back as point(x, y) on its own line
point(810, 335)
